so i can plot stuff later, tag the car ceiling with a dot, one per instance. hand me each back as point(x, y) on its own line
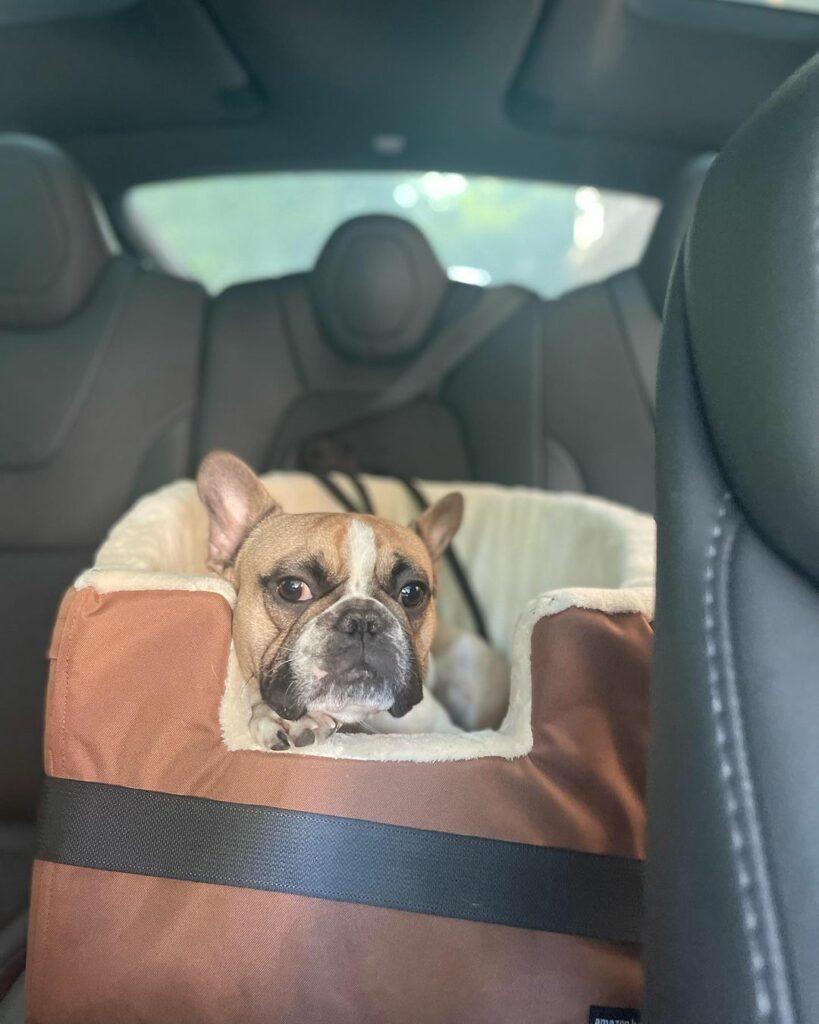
point(592, 91)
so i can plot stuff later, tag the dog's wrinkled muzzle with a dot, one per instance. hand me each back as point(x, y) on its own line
point(369, 659)
point(358, 657)
point(364, 645)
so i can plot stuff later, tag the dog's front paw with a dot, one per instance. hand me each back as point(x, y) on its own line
point(268, 729)
point(311, 728)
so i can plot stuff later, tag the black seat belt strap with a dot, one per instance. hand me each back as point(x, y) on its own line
point(641, 327)
point(347, 860)
point(443, 353)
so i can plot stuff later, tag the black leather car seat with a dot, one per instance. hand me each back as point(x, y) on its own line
point(98, 375)
point(601, 346)
point(733, 853)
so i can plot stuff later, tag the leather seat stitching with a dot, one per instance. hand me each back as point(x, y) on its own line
point(771, 995)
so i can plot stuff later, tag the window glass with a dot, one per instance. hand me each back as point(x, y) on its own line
point(809, 6)
point(485, 230)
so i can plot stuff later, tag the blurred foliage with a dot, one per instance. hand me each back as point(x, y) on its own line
point(222, 230)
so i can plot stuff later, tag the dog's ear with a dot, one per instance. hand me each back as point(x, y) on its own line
point(439, 523)
point(235, 499)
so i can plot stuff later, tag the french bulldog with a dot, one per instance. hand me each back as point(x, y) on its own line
point(335, 612)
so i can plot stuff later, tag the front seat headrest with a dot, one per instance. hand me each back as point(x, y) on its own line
point(678, 209)
point(54, 238)
point(377, 286)
point(752, 302)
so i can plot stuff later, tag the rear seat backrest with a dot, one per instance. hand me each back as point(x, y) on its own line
point(98, 375)
point(561, 397)
point(601, 346)
point(336, 336)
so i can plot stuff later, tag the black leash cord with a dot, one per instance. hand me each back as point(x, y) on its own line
point(332, 487)
point(455, 565)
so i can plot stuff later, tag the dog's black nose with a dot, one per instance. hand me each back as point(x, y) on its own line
point(360, 622)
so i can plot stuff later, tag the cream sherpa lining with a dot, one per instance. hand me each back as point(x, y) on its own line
point(529, 554)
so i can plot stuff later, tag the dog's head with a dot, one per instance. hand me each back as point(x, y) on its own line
point(334, 612)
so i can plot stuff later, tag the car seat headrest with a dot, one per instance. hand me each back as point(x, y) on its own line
point(752, 315)
point(377, 286)
point(670, 229)
point(54, 237)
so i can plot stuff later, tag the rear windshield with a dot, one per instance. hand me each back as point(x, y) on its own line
point(547, 237)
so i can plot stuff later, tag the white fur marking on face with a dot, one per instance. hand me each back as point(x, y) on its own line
point(361, 552)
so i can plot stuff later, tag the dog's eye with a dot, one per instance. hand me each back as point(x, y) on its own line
point(294, 590)
point(412, 594)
